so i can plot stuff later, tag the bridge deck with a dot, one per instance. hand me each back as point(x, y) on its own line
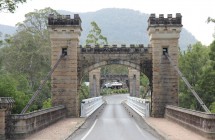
point(64, 128)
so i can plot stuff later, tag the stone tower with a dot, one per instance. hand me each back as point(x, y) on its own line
point(164, 34)
point(64, 35)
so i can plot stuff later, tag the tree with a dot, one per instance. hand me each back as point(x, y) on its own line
point(11, 87)
point(207, 81)
point(212, 54)
point(27, 53)
point(10, 5)
point(95, 37)
point(29, 49)
point(212, 107)
point(84, 92)
point(144, 82)
point(211, 20)
point(192, 63)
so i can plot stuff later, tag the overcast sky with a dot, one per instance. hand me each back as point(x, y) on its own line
point(194, 12)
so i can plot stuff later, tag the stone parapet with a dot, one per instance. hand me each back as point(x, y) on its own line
point(199, 122)
point(114, 49)
point(162, 21)
point(6, 105)
point(25, 124)
point(64, 20)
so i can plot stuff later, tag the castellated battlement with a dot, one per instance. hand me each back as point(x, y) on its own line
point(133, 48)
point(64, 20)
point(163, 21)
point(115, 46)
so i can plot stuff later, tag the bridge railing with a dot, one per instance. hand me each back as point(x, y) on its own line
point(200, 122)
point(88, 106)
point(141, 106)
point(22, 125)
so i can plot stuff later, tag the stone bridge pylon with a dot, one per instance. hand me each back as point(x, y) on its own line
point(65, 35)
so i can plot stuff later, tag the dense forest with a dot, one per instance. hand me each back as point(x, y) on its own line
point(25, 60)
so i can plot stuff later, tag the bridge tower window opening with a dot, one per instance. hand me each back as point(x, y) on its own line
point(64, 51)
point(165, 50)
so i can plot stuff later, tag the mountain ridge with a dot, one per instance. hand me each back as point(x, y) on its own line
point(120, 26)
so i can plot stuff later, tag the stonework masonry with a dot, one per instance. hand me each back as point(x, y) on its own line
point(163, 33)
point(164, 39)
point(65, 82)
point(94, 79)
point(134, 82)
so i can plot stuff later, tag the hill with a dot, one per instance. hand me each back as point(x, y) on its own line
point(120, 26)
point(124, 26)
point(5, 29)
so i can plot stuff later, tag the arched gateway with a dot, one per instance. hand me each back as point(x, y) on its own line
point(66, 79)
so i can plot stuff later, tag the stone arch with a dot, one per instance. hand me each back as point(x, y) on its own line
point(131, 65)
point(117, 62)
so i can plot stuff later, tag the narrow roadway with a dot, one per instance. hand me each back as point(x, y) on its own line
point(114, 123)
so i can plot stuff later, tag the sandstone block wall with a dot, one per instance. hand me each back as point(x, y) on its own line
point(65, 80)
point(94, 79)
point(164, 77)
point(134, 82)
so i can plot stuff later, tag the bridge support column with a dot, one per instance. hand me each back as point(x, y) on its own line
point(94, 78)
point(134, 82)
point(65, 82)
point(164, 34)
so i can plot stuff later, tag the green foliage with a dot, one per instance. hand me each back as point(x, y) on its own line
point(212, 54)
point(84, 92)
point(10, 87)
point(95, 37)
point(10, 5)
point(47, 103)
point(114, 70)
point(198, 69)
point(144, 83)
point(212, 107)
point(192, 64)
point(108, 91)
point(26, 55)
point(211, 20)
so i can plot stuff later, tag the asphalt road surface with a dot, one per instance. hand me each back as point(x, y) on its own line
point(114, 123)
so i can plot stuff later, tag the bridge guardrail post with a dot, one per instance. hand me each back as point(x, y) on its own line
point(88, 106)
point(141, 106)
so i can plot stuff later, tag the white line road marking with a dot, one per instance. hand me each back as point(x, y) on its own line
point(89, 130)
point(140, 130)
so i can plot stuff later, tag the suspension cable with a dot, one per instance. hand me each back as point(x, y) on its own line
point(188, 85)
point(41, 85)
